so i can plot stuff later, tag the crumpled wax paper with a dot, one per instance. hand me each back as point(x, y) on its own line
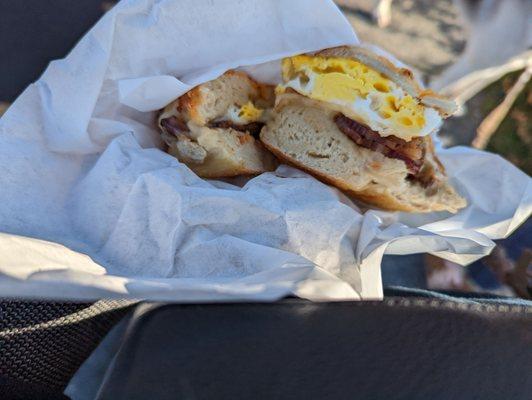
point(90, 207)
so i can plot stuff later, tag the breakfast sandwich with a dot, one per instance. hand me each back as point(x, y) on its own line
point(214, 128)
point(353, 119)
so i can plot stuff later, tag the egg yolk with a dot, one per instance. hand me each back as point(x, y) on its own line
point(249, 112)
point(344, 80)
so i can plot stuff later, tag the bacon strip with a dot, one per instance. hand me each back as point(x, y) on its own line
point(174, 125)
point(425, 177)
point(412, 153)
point(253, 128)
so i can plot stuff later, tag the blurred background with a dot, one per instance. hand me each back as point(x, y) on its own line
point(476, 51)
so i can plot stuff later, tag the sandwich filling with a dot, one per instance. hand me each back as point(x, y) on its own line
point(246, 118)
point(372, 110)
point(361, 93)
point(412, 152)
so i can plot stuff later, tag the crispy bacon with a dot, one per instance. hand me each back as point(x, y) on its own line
point(174, 125)
point(253, 128)
point(412, 153)
point(425, 177)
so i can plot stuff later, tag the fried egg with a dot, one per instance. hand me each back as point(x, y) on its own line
point(360, 93)
point(244, 114)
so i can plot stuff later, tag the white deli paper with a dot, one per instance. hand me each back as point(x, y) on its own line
point(91, 208)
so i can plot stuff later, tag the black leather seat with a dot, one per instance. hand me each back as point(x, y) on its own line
point(402, 348)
